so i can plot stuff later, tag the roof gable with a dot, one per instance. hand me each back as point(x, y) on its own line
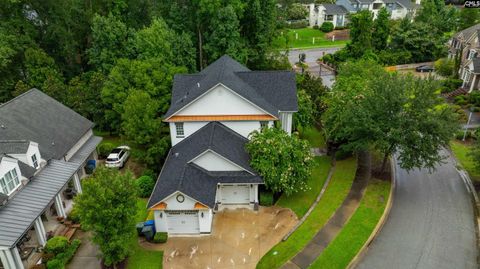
point(227, 71)
point(220, 100)
point(212, 161)
point(34, 116)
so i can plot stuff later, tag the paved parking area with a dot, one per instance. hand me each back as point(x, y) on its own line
point(239, 239)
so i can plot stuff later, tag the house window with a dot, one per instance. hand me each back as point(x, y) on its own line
point(471, 54)
point(263, 124)
point(377, 5)
point(34, 160)
point(179, 129)
point(9, 182)
point(329, 17)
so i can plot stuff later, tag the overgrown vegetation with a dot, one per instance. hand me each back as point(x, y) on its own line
point(59, 252)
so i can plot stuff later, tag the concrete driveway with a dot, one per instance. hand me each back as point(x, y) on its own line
point(239, 239)
point(431, 224)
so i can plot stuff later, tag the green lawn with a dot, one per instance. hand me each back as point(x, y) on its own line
point(142, 258)
point(300, 202)
point(356, 232)
point(461, 152)
point(333, 197)
point(305, 39)
point(314, 137)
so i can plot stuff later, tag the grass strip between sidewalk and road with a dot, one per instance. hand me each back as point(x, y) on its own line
point(337, 190)
point(140, 257)
point(358, 229)
point(461, 151)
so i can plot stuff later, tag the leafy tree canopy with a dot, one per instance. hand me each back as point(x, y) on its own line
point(370, 108)
point(107, 207)
point(285, 162)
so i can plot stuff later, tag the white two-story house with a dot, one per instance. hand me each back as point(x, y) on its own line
point(466, 45)
point(44, 147)
point(211, 116)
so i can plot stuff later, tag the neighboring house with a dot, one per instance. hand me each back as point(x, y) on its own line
point(337, 13)
point(211, 116)
point(44, 147)
point(318, 14)
point(466, 43)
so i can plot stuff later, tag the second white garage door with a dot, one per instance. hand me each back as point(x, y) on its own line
point(183, 222)
point(235, 194)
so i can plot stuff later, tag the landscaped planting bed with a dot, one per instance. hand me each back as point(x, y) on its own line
point(358, 229)
point(333, 197)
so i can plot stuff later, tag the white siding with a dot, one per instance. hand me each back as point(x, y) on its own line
point(205, 221)
point(212, 161)
point(33, 150)
point(79, 144)
point(253, 193)
point(173, 204)
point(221, 101)
point(244, 128)
point(286, 121)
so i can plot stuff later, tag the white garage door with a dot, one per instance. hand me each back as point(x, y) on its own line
point(235, 194)
point(183, 222)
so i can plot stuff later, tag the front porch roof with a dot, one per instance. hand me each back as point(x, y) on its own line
point(82, 154)
point(18, 215)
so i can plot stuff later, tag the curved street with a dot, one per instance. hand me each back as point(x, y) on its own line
point(431, 223)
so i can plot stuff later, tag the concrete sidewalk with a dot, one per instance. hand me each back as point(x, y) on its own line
point(321, 240)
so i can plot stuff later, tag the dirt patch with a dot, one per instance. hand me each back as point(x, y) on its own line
point(239, 239)
point(339, 34)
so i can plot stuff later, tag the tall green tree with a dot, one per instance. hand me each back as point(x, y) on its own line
point(107, 207)
point(360, 34)
point(370, 108)
point(468, 17)
point(305, 116)
point(110, 42)
point(284, 161)
point(381, 30)
point(225, 37)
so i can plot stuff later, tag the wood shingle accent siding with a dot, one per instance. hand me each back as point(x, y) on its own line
point(221, 118)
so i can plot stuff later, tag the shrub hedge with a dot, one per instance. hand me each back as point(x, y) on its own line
point(160, 237)
point(145, 186)
point(326, 27)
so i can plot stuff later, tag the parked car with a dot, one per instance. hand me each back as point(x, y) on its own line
point(424, 68)
point(118, 157)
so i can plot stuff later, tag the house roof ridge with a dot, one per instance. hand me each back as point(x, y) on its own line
point(18, 97)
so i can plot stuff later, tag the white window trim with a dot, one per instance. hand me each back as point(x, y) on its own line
point(179, 128)
point(13, 177)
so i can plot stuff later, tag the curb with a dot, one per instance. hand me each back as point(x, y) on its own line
point(354, 262)
point(473, 195)
point(320, 195)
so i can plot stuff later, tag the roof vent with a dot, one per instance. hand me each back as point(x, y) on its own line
point(176, 154)
point(198, 84)
point(53, 143)
point(3, 126)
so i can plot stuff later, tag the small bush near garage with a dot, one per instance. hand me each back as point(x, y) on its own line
point(160, 237)
point(266, 198)
point(62, 250)
point(326, 27)
point(104, 149)
point(145, 186)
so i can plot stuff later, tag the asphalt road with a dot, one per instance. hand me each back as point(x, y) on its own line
point(431, 224)
point(311, 55)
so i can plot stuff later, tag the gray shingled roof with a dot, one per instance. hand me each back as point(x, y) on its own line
point(18, 215)
point(14, 146)
point(272, 91)
point(34, 116)
point(82, 154)
point(332, 9)
point(179, 175)
point(466, 33)
point(407, 4)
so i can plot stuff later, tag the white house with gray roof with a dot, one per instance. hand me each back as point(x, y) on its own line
point(337, 13)
point(44, 147)
point(211, 116)
point(466, 43)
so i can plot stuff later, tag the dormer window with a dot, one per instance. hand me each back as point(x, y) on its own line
point(179, 129)
point(9, 182)
point(34, 161)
